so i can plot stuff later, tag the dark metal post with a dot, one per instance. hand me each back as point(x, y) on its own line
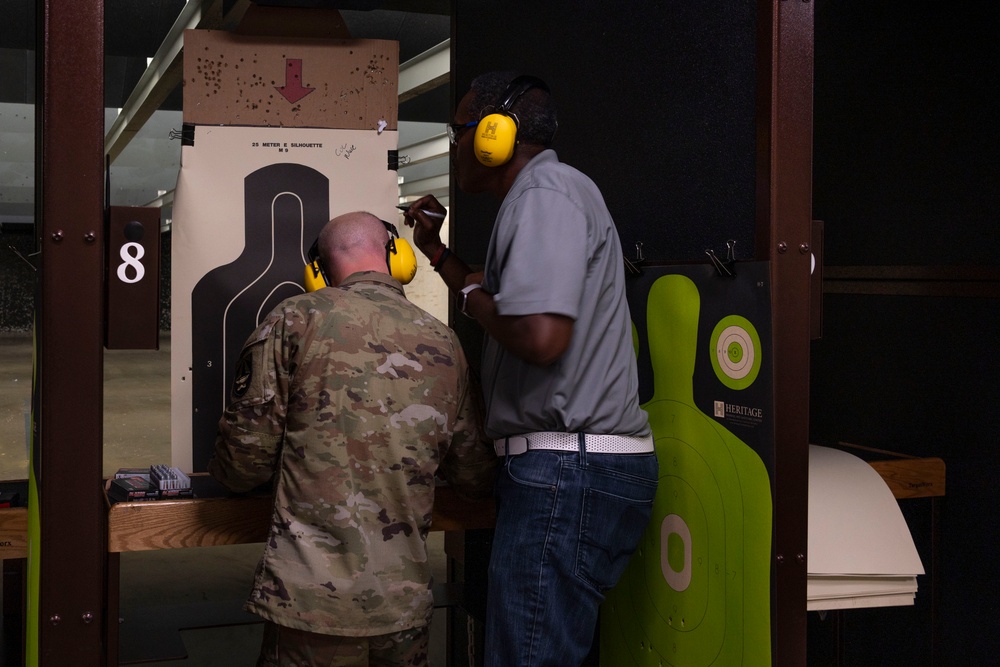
point(67, 459)
point(784, 220)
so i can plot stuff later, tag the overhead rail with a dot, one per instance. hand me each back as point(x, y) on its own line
point(430, 70)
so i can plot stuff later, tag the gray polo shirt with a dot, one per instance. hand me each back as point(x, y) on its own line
point(555, 249)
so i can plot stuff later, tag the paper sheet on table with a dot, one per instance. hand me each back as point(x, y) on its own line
point(861, 553)
point(855, 524)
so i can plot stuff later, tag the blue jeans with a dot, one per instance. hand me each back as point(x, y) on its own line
point(566, 525)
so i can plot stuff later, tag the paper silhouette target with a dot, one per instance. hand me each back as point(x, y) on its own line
point(697, 591)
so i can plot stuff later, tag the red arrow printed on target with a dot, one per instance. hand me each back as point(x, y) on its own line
point(293, 90)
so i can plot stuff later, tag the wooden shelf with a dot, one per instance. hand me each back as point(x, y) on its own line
point(912, 478)
point(195, 522)
point(14, 522)
point(215, 521)
point(13, 533)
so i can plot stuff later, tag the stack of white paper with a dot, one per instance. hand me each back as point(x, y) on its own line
point(861, 553)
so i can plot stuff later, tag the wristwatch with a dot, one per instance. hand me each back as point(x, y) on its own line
point(463, 298)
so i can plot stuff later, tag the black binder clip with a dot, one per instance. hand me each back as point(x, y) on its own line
point(185, 134)
point(724, 267)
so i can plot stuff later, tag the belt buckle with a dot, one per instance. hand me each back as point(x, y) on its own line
point(517, 444)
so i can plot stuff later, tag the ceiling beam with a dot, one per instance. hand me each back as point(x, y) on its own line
point(430, 70)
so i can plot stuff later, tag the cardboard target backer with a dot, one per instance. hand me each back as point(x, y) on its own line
point(250, 201)
point(697, 591)
point(263, 81)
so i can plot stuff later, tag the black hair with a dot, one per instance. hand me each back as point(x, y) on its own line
point(535, 109)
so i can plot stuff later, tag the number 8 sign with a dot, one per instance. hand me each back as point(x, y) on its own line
point(133, 279)
point(131, 253)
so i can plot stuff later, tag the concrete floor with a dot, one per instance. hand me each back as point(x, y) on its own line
point(136, 406)
point(161, 591)
point(15, 394)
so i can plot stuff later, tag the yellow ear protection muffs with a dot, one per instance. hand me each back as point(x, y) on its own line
point(315, 277)
point(399, 256)
point(399, 259)
point(496, 134)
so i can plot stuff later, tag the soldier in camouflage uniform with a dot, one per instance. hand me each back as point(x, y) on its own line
point(352, 398)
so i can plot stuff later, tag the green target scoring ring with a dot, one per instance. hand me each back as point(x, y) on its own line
point(736, 352)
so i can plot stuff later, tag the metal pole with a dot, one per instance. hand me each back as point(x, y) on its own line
point(67, 456)
point(784, 221)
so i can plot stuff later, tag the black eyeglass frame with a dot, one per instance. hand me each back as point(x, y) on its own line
point(455, 129)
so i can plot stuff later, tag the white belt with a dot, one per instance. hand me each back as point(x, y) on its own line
point(570, 442)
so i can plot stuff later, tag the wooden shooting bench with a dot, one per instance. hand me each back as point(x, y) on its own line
point(216, 517)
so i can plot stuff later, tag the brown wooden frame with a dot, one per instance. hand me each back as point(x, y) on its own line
point(68, 447)
point(783, 236)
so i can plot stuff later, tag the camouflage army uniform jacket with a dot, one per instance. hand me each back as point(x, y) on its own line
point(352, 397)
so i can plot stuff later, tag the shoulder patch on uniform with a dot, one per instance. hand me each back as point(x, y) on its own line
point(244, 373)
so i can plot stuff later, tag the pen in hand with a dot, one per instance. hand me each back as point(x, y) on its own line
point(434, 214)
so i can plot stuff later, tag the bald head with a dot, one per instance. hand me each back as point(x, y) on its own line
point(353, 242)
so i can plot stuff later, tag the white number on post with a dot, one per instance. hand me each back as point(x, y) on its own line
point(131, 260)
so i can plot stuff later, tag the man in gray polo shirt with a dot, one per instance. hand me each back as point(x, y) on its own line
point(559, 375)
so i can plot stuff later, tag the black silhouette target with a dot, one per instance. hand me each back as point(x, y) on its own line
point(285, 207)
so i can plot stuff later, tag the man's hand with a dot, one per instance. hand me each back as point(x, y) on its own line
point(426, 228)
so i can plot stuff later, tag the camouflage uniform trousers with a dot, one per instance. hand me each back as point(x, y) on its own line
point(287, 647)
